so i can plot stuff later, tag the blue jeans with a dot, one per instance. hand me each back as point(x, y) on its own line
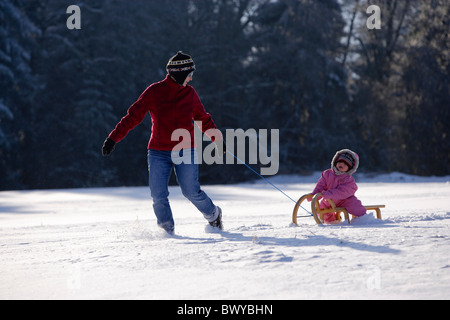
point(160, 164)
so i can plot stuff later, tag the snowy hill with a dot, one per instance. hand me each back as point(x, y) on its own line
point(103, 244)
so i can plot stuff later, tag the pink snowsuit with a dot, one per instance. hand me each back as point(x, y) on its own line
point(341, 189)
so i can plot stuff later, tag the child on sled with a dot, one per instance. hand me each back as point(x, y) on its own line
point(338, 185)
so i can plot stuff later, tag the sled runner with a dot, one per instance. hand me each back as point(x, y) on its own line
point(318, 213)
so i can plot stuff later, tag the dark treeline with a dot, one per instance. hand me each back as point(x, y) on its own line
point(310, 68)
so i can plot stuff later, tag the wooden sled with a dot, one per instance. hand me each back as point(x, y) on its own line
point(319, 213)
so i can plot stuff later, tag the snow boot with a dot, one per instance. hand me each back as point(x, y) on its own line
point(218, 222)
point(167, 227)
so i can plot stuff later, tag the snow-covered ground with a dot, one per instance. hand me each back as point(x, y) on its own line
point(103, 244)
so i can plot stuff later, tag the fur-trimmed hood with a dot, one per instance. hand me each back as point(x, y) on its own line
point(352, 154)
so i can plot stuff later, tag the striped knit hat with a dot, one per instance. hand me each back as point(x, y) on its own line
point(350, 157)
point(179, 66)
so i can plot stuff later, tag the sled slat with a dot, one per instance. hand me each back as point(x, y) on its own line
point(376, 208)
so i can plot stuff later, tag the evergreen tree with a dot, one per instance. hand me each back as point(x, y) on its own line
point(426, 81)
point(19, 86)
point(299, 83)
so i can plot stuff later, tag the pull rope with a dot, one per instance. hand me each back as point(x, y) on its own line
point(269, 182)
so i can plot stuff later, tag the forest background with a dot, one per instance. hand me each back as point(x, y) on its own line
point(310, 68)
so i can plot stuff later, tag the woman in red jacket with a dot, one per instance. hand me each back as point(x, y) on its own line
point(172, 104)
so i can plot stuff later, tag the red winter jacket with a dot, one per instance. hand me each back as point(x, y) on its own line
point(171, 107)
